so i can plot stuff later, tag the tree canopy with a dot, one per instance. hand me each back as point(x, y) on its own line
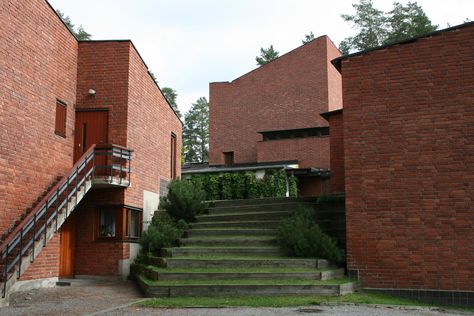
point(266, 55)
point(80, 33)
point(376, 28)
point(308, 38)
point(196, 132)
point(171, 95)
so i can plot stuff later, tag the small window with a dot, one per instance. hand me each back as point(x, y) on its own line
point(173, 156)
point(107, 223)
point(229, 158)
point(60, 123)
point(119, 223)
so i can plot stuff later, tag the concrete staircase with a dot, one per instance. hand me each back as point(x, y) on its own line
point(232, 251)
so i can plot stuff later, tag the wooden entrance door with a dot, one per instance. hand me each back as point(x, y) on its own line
point(67, 247)
point(91, 128)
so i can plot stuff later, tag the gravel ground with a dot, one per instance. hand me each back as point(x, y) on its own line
point(113, 297)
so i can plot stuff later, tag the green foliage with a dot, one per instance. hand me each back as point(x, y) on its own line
point(377, 28)
point(266, 55)
point(80, 33)
point(184, 199)
point(196, 132)
point(245, 185)
point(163, 232)
point(299, 235)
point(308, 38)
point(170, 96)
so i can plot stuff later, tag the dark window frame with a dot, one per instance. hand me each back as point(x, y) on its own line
point(123, 221)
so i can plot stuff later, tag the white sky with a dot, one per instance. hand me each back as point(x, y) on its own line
point(189, 43)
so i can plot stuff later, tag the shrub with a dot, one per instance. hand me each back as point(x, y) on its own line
point(299, 235)
point(162, 233)
point(185, 199)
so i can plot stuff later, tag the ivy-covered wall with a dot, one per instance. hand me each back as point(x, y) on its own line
point(245, 185)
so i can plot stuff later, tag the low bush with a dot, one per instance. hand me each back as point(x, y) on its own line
point(185, 199)
point(163, 232)
point(299, 235)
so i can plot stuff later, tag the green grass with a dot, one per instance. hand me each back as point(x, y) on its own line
point(235, 257)
point(234, 270)
point(278, 301)
point(246, 282)
point(236, 237)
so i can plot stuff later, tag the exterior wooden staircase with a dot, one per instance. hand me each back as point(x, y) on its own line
point(100, 166)
point(231, 251)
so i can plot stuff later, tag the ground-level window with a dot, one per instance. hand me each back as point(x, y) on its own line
point(119, 222)
point(60, 121)
point(228, 158)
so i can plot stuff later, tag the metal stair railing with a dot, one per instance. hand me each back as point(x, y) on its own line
point(21, 241)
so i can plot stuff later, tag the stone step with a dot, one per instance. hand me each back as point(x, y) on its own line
point(250, 208)
point(231, 241)
point(173, 290)
point(231, 232)
point(243, 216)
point(238, 262)
point(237, 224)
point(241, 251)
point(252, 274)
point(260, 201)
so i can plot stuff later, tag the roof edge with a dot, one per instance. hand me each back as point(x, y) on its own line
point(337, 62)
point(326, 115)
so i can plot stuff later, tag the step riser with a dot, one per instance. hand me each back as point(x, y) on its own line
point(231, 232)
point(153, 275)
point(250, 209)
point(227, 242)
point(295, 201)
point(241, 290)
point(254, 224)
point(229, 251)
point(243, 217)
point(176, 263)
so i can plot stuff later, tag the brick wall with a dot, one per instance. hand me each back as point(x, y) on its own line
point(286, 93)
point(336, 144)
point(103, 66)
point(46, 265)
point(32, 155)
point(309, 151)
point(150, 124)
point(409, 163)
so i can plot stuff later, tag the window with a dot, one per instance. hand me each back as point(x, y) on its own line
point(107, 223)
point(173, 156)
point(119, 223)
point(229, 158)
point(60, 122)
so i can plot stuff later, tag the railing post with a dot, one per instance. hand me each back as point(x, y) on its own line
point(121, 159)
point(5, 272)
point(77, 182)
point(56, 211)
point(129, 167)
point(21, 252)
point(45, 215)
point(67, 195)
point(34, 237)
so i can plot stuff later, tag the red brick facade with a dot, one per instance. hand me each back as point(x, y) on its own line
point(41, 67)
point(336, 145)
point(285, 94)
point(409, 163)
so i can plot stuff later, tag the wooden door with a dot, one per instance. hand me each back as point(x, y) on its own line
point(67, 247)
point(91, 128)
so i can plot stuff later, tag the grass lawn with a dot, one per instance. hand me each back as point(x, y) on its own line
point(278, 301)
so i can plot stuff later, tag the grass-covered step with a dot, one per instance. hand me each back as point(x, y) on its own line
point(265, 201)
point(231, 231)
point(250, 208)
point(228, 241)
point(213, 250)
point(243, 216)
point(237, 224)
point(237, 261)
point(155, 273)
point(244, 287)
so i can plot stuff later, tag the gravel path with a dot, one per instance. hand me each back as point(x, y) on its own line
point(113, 297)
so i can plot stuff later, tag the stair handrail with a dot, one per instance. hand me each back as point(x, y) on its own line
point(43, 201)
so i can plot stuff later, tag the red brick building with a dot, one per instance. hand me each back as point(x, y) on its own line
point(63, 102)
point(408, 144)
point(271, 115)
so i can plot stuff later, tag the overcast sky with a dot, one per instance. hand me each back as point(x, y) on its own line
point(189, 43)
